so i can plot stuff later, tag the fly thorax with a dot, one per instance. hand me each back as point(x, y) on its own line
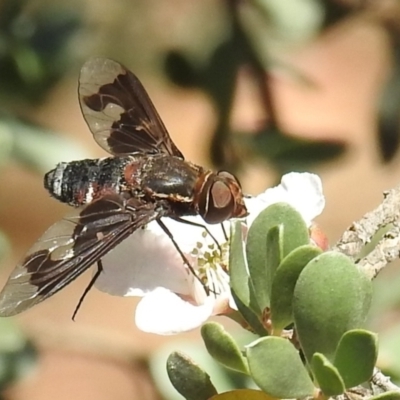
point(170, 178)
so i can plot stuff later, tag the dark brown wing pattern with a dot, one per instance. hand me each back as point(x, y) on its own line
point(70, 247)
point(119, 111)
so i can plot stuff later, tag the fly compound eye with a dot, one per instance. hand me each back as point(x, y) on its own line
point(227, 176)
point(220, 204)
point(220, 195)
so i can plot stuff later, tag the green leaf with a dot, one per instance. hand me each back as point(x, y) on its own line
point(356, 356)
point(277, 369)
point(17, 355)
point(284, 283)
point(331, 297)
point(327, 375)
point(249, 317)
point(221, 346)
point(223, 378)
point(274, 248)
point(239, 278)
point(240, 394)
point(295, 234)
point(188, 378)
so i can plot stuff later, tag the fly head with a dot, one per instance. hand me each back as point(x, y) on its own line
point(221, 198)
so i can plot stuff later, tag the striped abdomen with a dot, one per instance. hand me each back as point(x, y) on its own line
point(79, 182)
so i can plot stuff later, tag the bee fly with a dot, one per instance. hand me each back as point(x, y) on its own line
point(146, 178)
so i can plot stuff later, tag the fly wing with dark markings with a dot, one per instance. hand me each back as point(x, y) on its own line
point(70, 247)
point(119, 111)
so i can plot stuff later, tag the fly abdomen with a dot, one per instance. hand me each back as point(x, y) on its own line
point(80, 182)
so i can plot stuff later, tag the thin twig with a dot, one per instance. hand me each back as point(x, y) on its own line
point(361, 233)
point(383, 382)
point(386, 251)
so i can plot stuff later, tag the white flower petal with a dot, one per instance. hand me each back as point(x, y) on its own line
point(305, 192)
point(301, 190)
point(164, 313)
point(142, 263)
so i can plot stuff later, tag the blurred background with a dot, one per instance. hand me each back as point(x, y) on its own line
point(260, 87)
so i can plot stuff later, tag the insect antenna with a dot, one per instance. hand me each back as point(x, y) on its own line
point(88, 287)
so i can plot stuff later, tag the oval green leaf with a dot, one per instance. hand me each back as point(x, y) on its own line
point(221, 346)
point(295, 234)
point(276, 367)
point(240, 281)
point(331, 297)
point(356, 356)
point(284, 283)
point(327, 375)
point(275, 238)
point(192, 382)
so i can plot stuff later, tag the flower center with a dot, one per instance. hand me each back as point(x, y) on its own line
point(212, 264)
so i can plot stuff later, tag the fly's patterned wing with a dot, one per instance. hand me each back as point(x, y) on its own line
point(119, 112)
point(70, 247)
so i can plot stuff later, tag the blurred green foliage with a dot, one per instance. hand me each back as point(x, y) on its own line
point(17, 354)
point(35, 48)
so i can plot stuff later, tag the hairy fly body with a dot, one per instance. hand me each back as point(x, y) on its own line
point(146, 178)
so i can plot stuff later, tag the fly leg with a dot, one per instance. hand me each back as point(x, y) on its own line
point(91, 283)
point(185, 260)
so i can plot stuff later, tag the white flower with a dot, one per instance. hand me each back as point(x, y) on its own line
point(148, 265)
point(303, 191)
